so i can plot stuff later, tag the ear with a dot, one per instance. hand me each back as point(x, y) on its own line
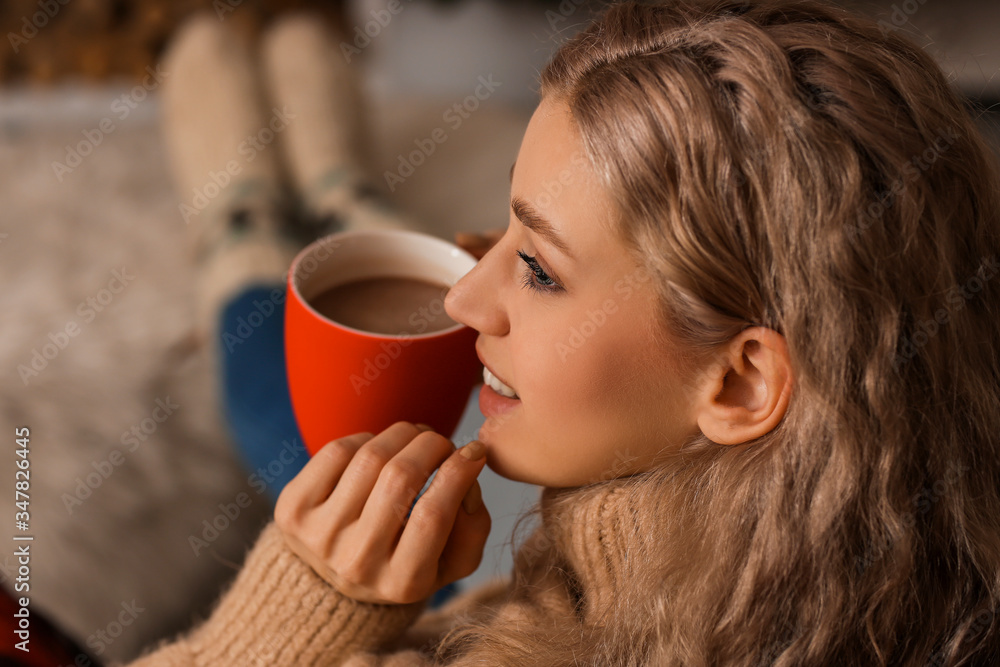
point(748, 389)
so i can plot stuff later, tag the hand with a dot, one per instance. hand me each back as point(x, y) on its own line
point(478, 244)
point(345, 514)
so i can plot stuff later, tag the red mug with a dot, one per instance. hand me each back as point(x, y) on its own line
point(344, 380)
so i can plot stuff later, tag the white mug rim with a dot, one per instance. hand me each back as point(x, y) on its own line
point(293, 280)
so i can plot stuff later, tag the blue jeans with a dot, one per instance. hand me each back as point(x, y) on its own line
point(256, 400)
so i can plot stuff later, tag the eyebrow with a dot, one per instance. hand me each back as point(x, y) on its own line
point(531, 219)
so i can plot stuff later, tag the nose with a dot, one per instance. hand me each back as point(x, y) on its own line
point(476, 300)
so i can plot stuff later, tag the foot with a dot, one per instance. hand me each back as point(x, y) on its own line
point(325, 145)
point(224, 164)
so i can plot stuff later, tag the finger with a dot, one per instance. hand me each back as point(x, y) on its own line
point(474, 244)
point(494, 235)
point(397, 487)
point(356, 484)
point(478, 244)
point(471, 239)
point(318, 477)
point(463, 552)
point(431, 521)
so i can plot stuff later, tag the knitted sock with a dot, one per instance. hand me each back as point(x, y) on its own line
point(326, 141)
point(224, 164)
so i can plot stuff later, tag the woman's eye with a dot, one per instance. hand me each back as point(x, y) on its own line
point(535, 277)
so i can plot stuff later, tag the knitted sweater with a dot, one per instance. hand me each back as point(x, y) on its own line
point(279, 612)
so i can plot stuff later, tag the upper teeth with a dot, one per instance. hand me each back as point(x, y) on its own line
point(496, 385)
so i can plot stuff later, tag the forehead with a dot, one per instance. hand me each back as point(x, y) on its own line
point(553, 174)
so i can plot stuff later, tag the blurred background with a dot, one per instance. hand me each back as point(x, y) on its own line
point(86, 196)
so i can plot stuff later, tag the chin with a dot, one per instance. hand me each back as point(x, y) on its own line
point(516, 473)
point(495, 461)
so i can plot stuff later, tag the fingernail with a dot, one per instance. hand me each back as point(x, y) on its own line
point(473, 499)
point(425, 427)
point(473, 451)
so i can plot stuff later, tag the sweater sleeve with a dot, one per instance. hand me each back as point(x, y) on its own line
point(278, 611)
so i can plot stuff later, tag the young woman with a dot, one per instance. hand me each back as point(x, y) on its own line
point(751, 350)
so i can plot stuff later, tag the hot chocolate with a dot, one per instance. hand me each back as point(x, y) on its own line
point(392, 306)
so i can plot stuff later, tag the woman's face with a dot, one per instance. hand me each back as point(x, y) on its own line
point(567, 319)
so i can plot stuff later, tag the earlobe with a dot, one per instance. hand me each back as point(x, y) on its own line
point(749, 388)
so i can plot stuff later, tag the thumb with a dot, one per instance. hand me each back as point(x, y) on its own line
point(478, 244)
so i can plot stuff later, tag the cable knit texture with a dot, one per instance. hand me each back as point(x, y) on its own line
point(279, 612)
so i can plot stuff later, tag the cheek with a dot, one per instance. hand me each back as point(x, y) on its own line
point(577, 367)
point(625, 378)
point(540, 368)
point(614, 376)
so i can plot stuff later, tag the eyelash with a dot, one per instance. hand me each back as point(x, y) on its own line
point(536, 272)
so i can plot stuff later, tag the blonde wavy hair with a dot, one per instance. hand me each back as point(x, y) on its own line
point(790, 165)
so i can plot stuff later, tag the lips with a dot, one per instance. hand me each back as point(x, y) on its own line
point(493, 403)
